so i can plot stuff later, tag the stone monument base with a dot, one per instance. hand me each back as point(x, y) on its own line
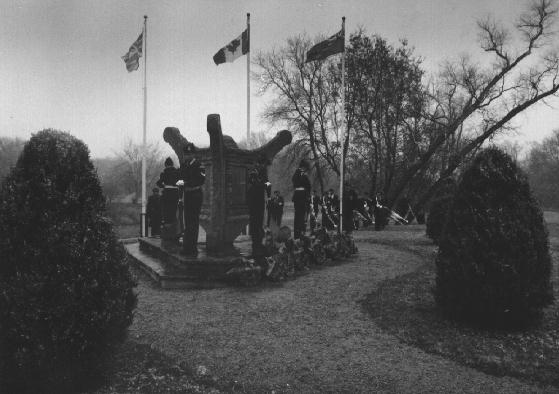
point(172, 270)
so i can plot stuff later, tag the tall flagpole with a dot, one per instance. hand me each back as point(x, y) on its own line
point(248, 78)
point(342, 160)
point(143, 232)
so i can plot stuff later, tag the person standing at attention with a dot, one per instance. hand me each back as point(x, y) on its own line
point(301, 197)
point(258, 190)
point(153, 211)
point(169, 198)
point(194, 175)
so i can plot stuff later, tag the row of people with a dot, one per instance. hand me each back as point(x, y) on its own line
point(182, 191)
point(188, 198)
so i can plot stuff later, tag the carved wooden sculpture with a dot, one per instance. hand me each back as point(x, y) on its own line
point(224, 211)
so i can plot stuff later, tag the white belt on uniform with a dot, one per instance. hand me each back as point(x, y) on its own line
point(299, 188)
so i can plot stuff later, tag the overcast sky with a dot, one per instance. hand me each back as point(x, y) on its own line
point(61, 63)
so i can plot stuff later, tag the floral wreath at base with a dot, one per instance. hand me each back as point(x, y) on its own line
point(284, 257)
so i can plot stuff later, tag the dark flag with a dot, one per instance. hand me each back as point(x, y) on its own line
point(132, 57)
point(329, 47)
point(236, 48)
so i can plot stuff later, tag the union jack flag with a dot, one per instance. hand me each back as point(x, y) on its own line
point(132, 57)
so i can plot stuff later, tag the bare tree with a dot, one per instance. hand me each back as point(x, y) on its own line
point(542, 166)
point(307, 100)
point(130, 166)
point(255, 140)
point(483, 101)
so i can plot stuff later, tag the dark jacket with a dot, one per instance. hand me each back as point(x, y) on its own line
point(169, 177)
point(153, 208)
point(192, 173)
point(258, 185)
point(301, 180)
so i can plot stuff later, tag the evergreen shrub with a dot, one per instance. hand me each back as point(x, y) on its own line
point(493, 265)
point(439, 207)
point(66, 292)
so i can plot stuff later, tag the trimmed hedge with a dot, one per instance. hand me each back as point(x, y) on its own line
point(493, 264)
point(439, 206)
point(66, 295)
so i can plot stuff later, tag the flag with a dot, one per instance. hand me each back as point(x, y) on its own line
point(329, 47)
point(236, 48)
point(132, 57)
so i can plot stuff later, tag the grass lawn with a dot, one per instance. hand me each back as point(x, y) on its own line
point(367, 324)
point(404, 307)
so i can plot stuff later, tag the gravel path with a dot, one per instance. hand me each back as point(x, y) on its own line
point(306, 335)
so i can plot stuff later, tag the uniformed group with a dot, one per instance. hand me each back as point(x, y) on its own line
point(182, 191)
point(356, 210)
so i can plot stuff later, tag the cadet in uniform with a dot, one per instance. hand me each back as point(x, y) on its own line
point(153, 211)
point(193, 174)
point(349, 204)
point(258, 190)
point(301, 198)
point(170, 196)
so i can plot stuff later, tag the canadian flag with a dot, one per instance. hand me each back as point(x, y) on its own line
point(236, 48)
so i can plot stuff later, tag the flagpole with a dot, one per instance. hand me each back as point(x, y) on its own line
point(342, 160)
point(143, 232)
point(248, 78)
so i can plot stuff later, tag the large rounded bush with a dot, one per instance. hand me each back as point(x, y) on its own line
point(66, 293)
point(493, 265)
point(438, 210)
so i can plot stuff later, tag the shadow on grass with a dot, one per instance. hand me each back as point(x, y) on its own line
point(405, 307)
point(139, 368)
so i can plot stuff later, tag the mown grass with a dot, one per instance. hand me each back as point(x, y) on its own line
point(249, 335)
point(138, 368)
point(125, 218)
point(405, 307)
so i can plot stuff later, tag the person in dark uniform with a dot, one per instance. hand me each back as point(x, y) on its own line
point(362, 209)
point(271, 209)
point(367, 207)
point(170, 196)
point(278, 207)
point(301, 198)
point(153, 211)
point(258, 190)
point(193, 175)
point(349, 204)
point(381, 216)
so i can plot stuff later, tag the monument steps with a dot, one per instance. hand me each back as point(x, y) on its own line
point(172, 270)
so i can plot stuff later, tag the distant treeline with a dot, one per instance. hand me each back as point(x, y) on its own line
point(121, 178)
